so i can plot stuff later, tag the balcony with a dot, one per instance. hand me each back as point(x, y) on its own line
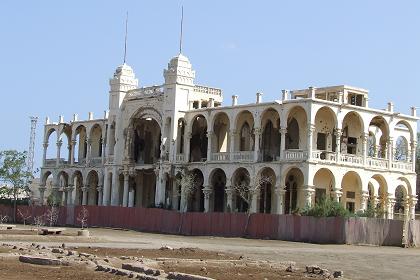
point(295, 155)
point(402, 165)
point(325, 156)
point(377, 163)
point(95, 161)
point(180, 158)
point(351, 159)
point(243, 156)
point(220, 156)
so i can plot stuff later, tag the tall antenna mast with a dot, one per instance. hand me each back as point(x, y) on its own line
point(125, 41)
point(31, 151)
point(182, 22)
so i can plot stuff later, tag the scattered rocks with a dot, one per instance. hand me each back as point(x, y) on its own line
point(185, 276)
point(57, 251)
point(291, 268)
point(338, 274)
point(166, 248)
point(139, 267)
point(41, 261)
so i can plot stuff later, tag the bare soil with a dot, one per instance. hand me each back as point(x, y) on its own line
point(12, 269)
point(181, 253)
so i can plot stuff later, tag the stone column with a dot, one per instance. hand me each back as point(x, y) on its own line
point(311, 129)
point(412, 204)
point(84, 195)
point(160, 187)
point(70, 190)
point(229, 199)
point(131, 195)
point(390, 149)
point(390, 206)
point(72, 145)
point(207, 190)
point(232, 136)
point(210, 135)
point(41, 194)
point(254, 201)
point(257, 134)
point(280, 192)
point(125, 191)
point(44, 156)
point(338, 134)
point(115, 196)
point(336, 194)
point(364, 201)
point(308, 192)
point(413, 154)
point(103, 150)
point(99, 189)
point(187, 146)
point(107, 189)
point(59, 143)
point(89, 148)
point(283, 132)
point(365, 148)
point(184, 201)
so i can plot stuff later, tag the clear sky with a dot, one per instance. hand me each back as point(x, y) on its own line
point(56, 56)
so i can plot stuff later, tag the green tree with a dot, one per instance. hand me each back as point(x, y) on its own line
point(13, 172)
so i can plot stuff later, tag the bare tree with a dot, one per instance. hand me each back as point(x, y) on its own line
point(188, 184)
point(52, 215)
point(39, 221)
point(24, 215)
point(83, 217)
point(247, 187)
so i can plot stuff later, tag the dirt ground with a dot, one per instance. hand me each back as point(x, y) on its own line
point(12, 269)
point(357, 262)
point(222, 266)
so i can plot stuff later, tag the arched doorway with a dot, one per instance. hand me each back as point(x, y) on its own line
point(198, 142)
point(270, 146)
point(324, 183)
point(267, 179)
point(241, 183)
point(351, 185)
point(218, 182)
point(294, 181)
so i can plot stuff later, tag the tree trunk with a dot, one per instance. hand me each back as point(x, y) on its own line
point(14, 204)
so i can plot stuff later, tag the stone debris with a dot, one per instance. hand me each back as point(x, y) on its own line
point(41, 261)
point(139, 267)
point(185, 276)
point(166, 248)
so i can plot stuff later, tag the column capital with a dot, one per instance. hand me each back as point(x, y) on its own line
point(228, 190)
point(99, 188)
point(73, 142)
point(257, 131)
point(207, 190)
point(59, 143)
point(280, 190)
point(42, 188)
point(283, 130)
point(337, 192)
point(45, 145)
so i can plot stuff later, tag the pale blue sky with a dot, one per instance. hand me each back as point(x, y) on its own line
point(56, 57)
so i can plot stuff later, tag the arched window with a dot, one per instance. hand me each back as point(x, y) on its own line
point(245, 144)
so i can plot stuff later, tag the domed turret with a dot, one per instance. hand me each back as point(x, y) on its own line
point(179, 71)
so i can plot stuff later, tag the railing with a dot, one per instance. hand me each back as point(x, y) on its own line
point(377, 163)
point(208, 90)
point(50, 162)
point(324, 156)
point(402, 165)
point(220, 156)
point(243, 156)
point(95, 161)
point(180, 158)
point(110, 159)
point(352, 159)
point(295, 155)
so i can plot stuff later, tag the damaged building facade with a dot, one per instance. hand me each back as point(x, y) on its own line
point(311, 143)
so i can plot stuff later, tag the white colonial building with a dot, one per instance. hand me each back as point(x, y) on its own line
point(312, 143)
